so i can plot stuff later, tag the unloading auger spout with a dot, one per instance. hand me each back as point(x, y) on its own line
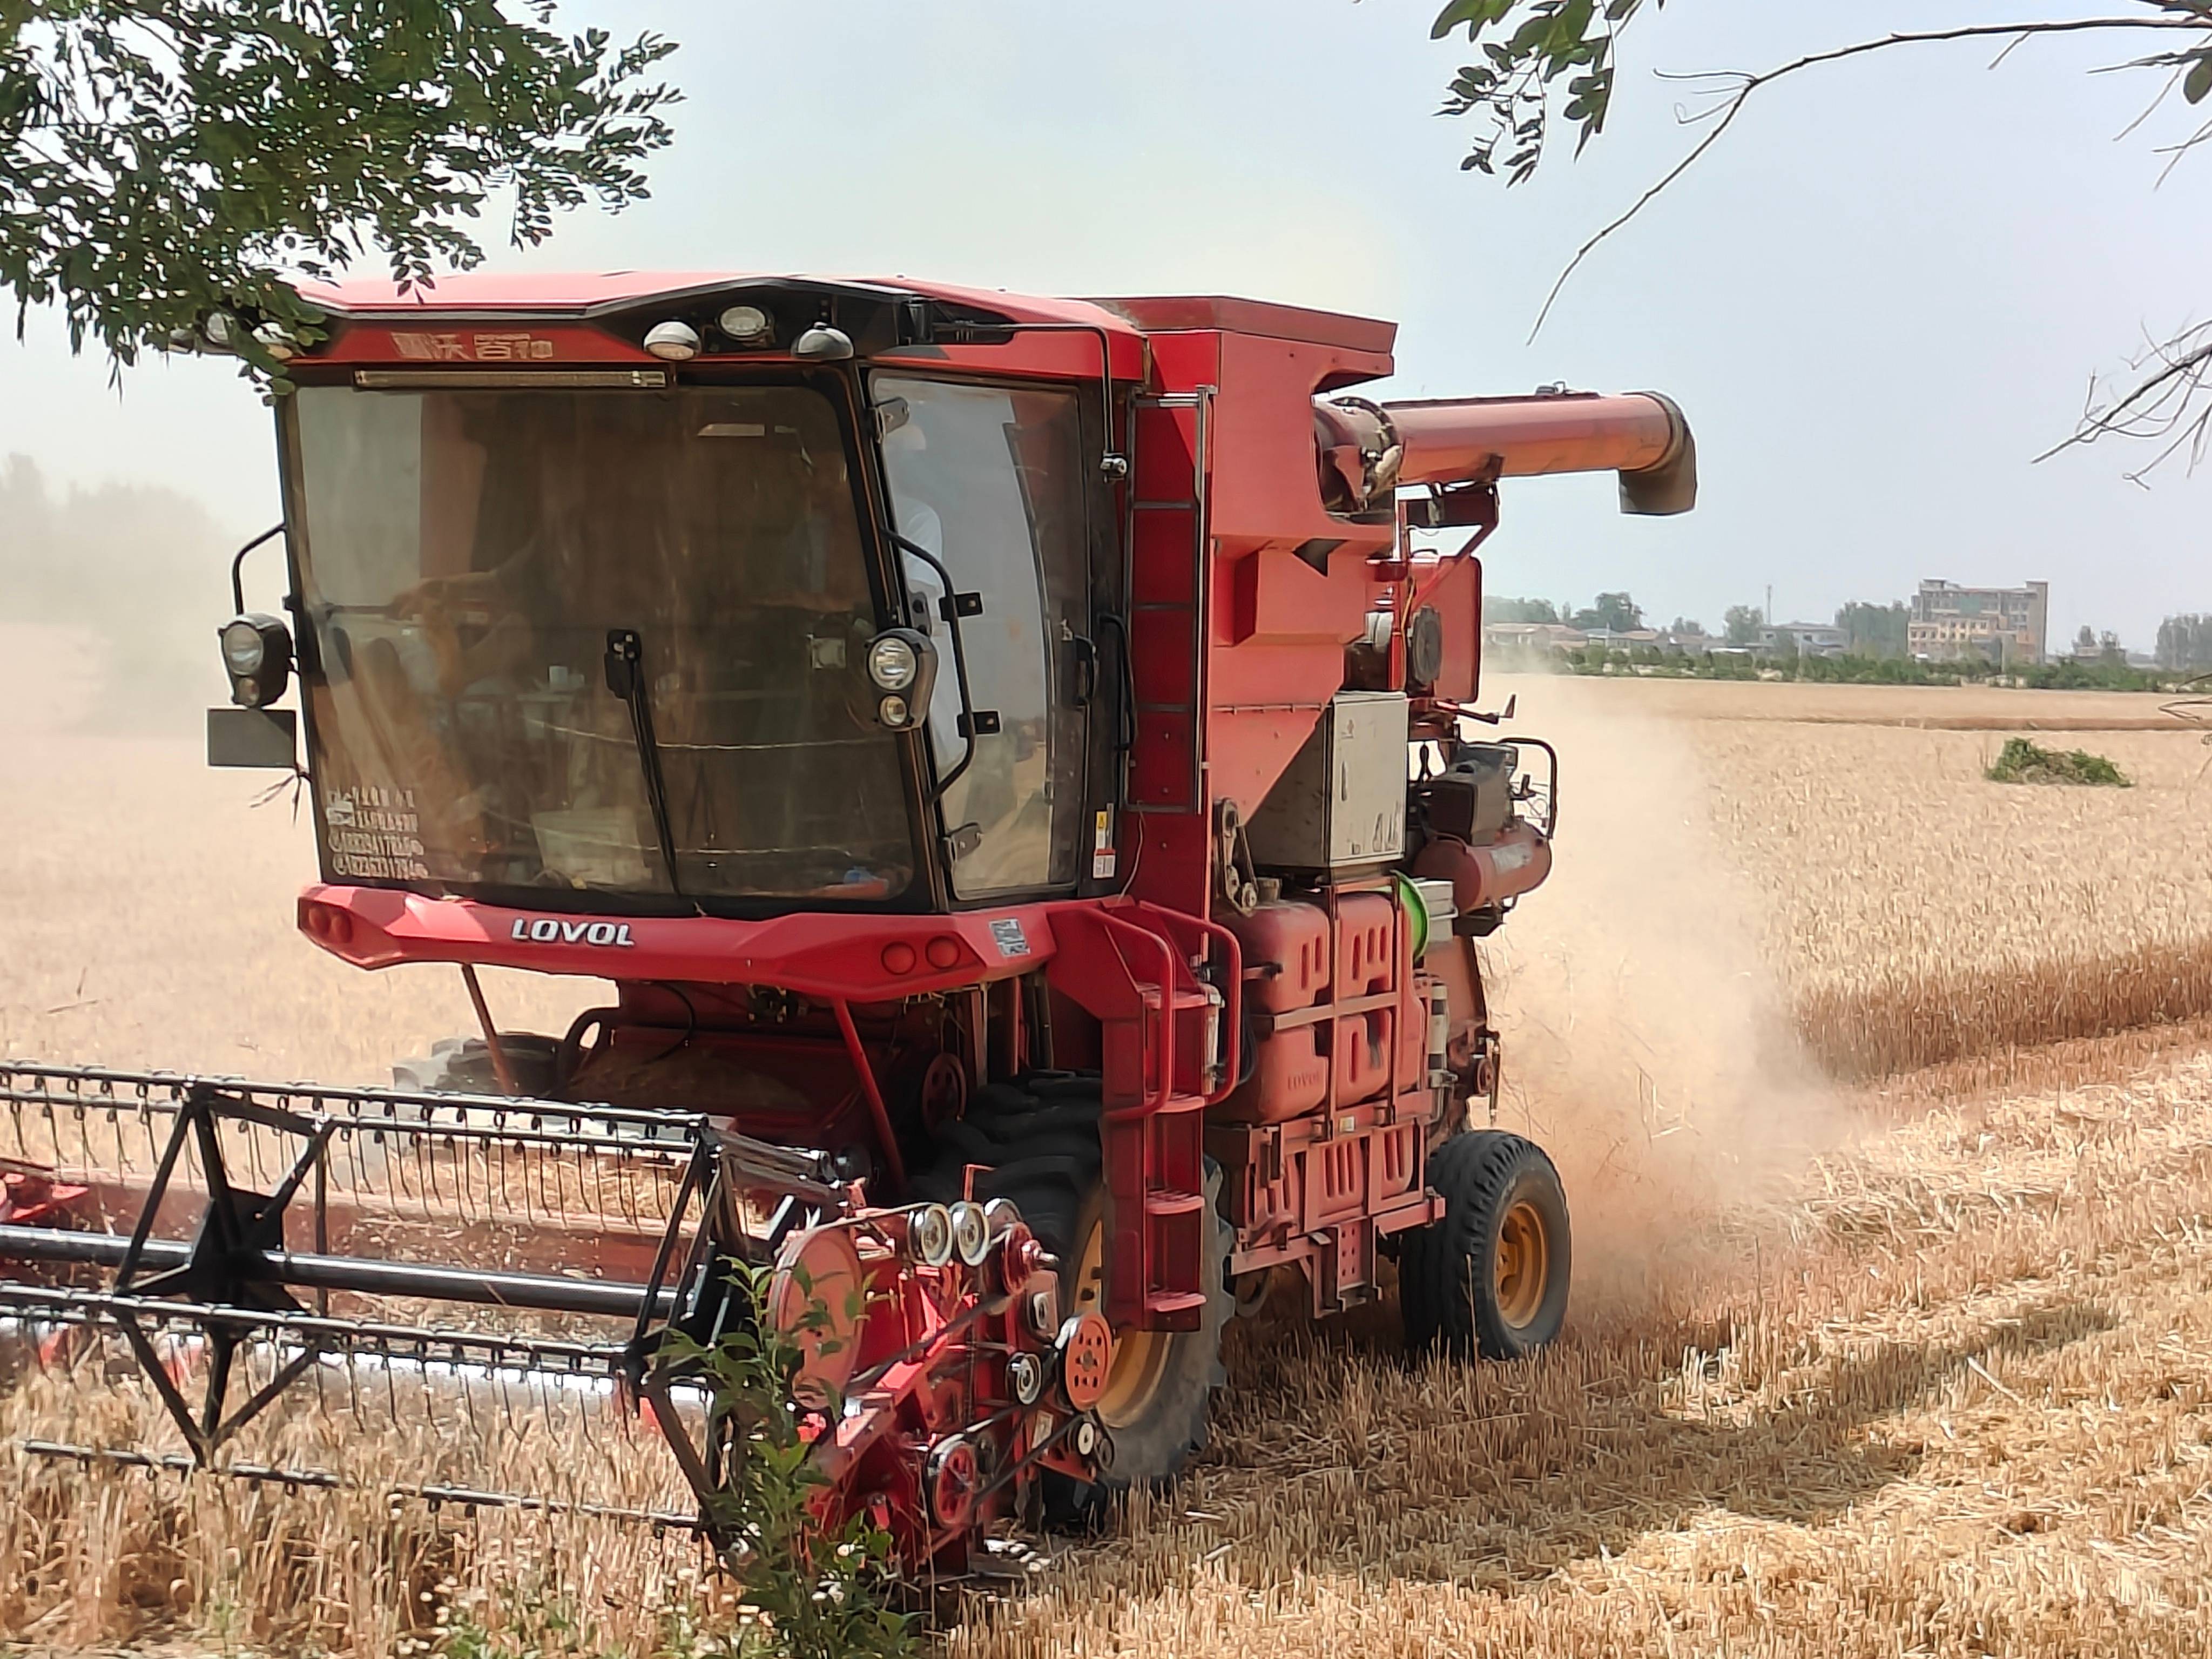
point(1369, 449)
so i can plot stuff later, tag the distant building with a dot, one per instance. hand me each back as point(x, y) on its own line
point(2006, 625)
point(1536, 638)
point(1805, 639)
point(1622, 639)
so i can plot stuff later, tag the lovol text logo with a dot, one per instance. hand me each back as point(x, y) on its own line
point(546, 931)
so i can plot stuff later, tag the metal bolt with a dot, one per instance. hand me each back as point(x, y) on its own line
point(1043, 1314)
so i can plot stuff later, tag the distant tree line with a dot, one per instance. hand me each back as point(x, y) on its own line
point(1873, 631)
point(1615, 612)
point(2185, 641)
point(2091, 645)
point(1875, 651)
point(2060, 674)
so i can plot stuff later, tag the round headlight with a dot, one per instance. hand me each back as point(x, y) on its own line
point(893, 711)
point(244, 648)
point(256, 655)
point(823, 344)
point(892, 664)
point(672, 342)
point(744, 322)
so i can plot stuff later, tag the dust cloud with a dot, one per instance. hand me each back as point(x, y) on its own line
point(109, 601)
point(146, 913)
point(1647, 1046)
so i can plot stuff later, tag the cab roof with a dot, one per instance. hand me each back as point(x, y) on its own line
point(587, 294)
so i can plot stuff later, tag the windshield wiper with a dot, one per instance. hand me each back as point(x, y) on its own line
point(625, 665)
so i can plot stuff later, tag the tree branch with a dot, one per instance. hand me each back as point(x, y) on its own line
point(2158, 405)
point(1749, 83)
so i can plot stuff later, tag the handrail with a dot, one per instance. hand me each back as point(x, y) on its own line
point(1154, 1100)
point(1232, 999)
point(949, 607)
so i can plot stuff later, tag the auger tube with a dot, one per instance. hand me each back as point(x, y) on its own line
point(1643, 436)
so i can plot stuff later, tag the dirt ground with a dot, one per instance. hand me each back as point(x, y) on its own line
point(1961, 707)
point(1916, 1363)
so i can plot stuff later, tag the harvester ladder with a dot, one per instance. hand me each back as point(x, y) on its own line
point(1132, 965)
point(1167, 533)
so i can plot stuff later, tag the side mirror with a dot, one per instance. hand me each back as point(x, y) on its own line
point(256, 654)
point(902, 666)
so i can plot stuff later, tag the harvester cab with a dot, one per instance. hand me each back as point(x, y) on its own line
point(1018, 762)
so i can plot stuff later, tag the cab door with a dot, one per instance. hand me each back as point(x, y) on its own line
point(992, 480)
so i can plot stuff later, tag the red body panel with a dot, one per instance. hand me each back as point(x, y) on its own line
point(853, 957)
point(548, 293)
point(1216, 312)
point(1244, 592)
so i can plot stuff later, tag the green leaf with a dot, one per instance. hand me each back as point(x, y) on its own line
point(1548, 59)
point(2198, 82)
point(165, 161)
point(1473, 13)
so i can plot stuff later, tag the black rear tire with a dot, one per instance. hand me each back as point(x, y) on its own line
point(1492, 1276)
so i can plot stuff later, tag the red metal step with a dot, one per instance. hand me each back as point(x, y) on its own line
point(1184, 1002)
point(1171, 1301)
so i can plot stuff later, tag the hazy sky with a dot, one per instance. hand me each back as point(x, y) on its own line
point(1878, 299)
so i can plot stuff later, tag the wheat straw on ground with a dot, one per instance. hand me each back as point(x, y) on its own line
point(1938, 1381)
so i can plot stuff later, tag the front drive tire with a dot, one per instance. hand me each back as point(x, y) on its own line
point(1492, 1276)
point(1037, 1143)
point(462, 1066)
point(1160, 1398)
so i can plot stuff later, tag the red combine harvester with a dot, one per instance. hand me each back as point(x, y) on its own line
point(1016, 761)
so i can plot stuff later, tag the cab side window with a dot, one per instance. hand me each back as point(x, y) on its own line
point(990, 480)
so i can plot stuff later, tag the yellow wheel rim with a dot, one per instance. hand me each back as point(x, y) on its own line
point(1140, 1358)
point(1524, 1267)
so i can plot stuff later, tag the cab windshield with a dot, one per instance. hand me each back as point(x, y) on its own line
point(465, 558)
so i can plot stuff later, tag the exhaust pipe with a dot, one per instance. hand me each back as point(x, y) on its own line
point(1367, 450)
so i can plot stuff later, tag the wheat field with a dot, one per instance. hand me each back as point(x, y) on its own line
point(1883, 1095)
point(1920, 913)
